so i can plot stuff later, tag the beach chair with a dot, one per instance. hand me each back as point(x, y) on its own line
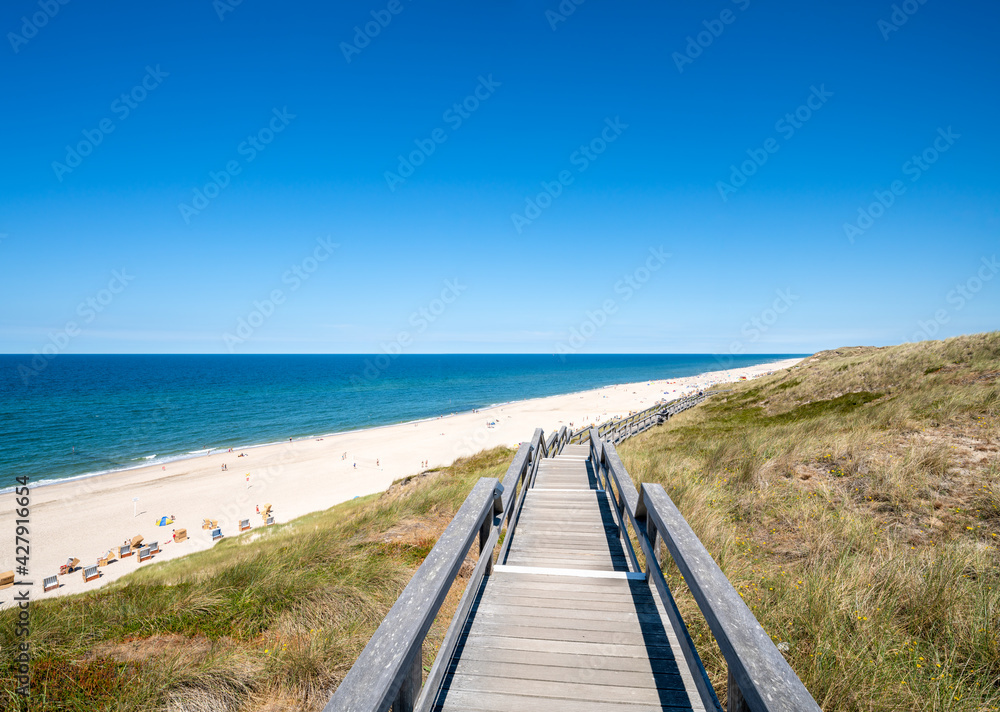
point(90, 573)
point(206, 523)
point(154, 548)
point(69, 566)
point(216, 534)
point(244, 525)
point(145, 554)
point(124, 550)
point(180, 535)
point(270, 521)
point(51, 583)
point(102, 561)
point(6, 579)
point(137, 542)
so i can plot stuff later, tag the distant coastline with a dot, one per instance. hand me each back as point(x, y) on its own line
point(93, 415)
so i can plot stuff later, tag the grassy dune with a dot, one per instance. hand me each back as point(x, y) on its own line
point(854, 501)
point(271, 620)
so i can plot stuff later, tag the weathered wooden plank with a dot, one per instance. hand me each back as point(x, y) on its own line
point(577, 647)
point(568, 613)
point(631, 624)
point(565, 562)
point(546, 483)
point(513, 630)
point(584, 514)
point(511, 702)
point(537, 669)
point(586, 536)
point(591, 515)
point(643, 664)
point(583, 511)
point(600, 550)
point(583, 598)
point(565, 523)
point(605, 587)
point(541, 602)
point(568, 691)
point(600, 556)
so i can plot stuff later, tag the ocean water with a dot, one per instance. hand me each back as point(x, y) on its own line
point(91, 414)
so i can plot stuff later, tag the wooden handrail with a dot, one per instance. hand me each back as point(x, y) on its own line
point(388, 672)
point(760, 679)
point(618, 480)
point(757, 669)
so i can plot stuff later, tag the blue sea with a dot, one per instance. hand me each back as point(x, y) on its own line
point(80, 415)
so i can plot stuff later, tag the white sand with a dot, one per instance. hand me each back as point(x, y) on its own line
point(86, 517)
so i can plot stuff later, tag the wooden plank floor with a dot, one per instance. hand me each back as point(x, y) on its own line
point(583, 634)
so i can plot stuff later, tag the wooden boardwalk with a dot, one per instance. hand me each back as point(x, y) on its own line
point(557, 614)
point(567, 622)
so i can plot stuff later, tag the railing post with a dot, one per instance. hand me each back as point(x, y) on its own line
point(653, 534)
point(409, 691)
point(734, 697)
point(484, 535)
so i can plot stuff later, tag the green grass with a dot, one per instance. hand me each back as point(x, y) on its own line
point(854, 503)
point(278, 615)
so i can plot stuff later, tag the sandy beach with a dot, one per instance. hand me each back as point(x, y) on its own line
point(84, 518)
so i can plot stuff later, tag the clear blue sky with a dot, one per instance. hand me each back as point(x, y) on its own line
point(663, 120)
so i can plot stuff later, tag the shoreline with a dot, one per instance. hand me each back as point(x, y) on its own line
point(207, 452)
point(84, 516)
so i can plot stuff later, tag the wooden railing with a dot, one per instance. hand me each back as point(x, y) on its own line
point(760, 679)
point(617, 430)
point(389, 671)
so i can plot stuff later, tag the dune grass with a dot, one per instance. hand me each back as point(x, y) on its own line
point(854, 503)
point(272, 619)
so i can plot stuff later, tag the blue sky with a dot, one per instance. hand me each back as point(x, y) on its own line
point(621, 123)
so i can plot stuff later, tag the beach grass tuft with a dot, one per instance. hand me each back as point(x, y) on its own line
point(853, 501)
point(276, 618)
